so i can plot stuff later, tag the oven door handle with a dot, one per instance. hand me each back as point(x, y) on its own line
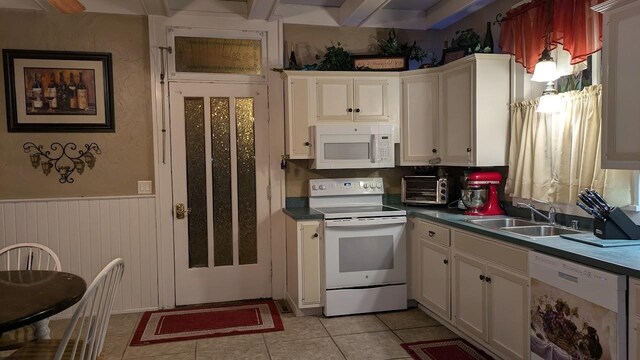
point(366, 221)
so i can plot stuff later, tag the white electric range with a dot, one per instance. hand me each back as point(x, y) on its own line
point(364, 246)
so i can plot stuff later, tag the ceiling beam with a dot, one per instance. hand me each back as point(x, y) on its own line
point(356, 12)
point(155, 7)
point(24, 5)
point(261, 9)
point(446, 13)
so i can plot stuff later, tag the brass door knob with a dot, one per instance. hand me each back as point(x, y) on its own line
point(181, 210)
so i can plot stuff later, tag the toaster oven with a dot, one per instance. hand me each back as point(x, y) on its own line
point(425, 190)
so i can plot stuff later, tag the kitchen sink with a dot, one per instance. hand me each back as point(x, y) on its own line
point(501, 223)
point(540, 230)
point(523, 227)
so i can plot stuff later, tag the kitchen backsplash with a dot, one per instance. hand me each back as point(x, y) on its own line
point(298, 174)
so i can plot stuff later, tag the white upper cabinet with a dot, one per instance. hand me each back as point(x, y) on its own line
point(620, 123)
point(335, 99)
point(420, 108)
point(355, 99)
point(298, 92)
point(457, 110)
point(457, 114)
point(371, 99)
point(321, 97)
point(473, 126)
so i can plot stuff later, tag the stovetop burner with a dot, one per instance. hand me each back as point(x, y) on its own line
point(359, 211)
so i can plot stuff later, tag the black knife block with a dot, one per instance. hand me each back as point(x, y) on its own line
point(617, 226)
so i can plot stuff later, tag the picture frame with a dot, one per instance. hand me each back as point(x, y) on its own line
point(452, 54)
point(380, 63)
point(41, 96)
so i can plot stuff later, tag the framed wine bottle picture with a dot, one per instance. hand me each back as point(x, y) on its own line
point(58, 91)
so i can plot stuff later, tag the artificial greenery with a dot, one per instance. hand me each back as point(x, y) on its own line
point(392, 46)
point(468, 39)
point(335, 59)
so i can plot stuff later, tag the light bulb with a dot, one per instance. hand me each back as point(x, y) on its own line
point(545, 69)
point(550, 101)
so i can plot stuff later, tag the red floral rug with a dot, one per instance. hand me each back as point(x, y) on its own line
point(204, 322)
point(445, 349)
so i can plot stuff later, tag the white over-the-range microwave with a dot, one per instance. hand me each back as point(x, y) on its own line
point(352, 146)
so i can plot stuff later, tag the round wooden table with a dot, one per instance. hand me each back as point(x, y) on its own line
point(28, 296)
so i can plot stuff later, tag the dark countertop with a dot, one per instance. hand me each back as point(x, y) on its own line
point(302, 213)
point(621, 260)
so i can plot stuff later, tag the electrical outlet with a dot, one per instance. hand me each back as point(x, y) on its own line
point(144, 187)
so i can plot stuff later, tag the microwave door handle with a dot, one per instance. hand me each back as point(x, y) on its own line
point(374, 146)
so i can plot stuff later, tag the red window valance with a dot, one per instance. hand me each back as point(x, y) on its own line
point(574, 25)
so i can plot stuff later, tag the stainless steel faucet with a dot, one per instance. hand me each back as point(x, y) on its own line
point(552, 212)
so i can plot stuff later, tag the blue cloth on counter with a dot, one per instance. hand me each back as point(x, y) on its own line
point(596, 241)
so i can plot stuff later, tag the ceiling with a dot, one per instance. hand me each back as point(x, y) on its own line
point(402, 14)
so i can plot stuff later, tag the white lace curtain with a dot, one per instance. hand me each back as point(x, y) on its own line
point(554, 156)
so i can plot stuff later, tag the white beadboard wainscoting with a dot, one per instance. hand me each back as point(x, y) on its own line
point(87, 233)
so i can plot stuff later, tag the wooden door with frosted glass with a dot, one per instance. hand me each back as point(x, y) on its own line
point(220, 162)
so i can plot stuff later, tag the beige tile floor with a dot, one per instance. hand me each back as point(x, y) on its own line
point(374, 336)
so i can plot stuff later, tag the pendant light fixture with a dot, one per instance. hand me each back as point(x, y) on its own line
point(545, 69)
point(550, 101)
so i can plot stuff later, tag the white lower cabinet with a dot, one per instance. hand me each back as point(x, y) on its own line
point(304, 263)
point(490, 293)
point(508, 312)
point(433, 283)
point(634, 318)
point(470, 295)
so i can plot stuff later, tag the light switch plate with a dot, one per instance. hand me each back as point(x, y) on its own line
point(144, 187)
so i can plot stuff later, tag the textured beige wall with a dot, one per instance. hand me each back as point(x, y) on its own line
point(311, 40)
point(298, 175)
point(127, 154)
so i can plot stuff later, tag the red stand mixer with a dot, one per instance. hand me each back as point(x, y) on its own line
point(481, 195)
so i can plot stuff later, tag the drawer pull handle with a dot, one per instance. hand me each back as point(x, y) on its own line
point(431, 233)
point(481, 277)
point(445, 261)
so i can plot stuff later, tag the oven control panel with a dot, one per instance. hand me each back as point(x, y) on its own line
point(348, 186)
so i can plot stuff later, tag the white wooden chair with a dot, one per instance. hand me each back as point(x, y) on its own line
point(29, 256)
point(85, 333)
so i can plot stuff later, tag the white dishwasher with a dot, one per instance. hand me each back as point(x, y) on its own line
point(577, 312)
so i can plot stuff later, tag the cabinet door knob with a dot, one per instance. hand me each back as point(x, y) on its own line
point(349, 110)
point(445, 261)
point(487, 279)
point(306, 143)
point(431, 233)
point(357, 110)
point(468, 149)
point(481, 277)
point(315, 235)
point(434, 151)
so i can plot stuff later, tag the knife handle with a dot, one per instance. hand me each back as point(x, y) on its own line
point(601, 200)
